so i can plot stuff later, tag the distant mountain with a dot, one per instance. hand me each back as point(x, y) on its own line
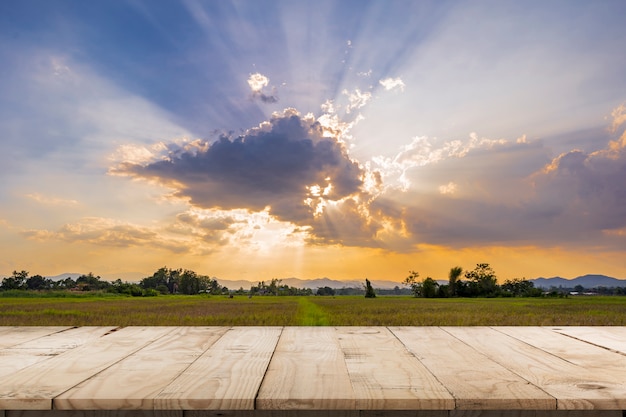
point(64, 275)
point(587, 281)
point(313, 283)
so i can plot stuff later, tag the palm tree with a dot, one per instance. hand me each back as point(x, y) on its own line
point(454, 274)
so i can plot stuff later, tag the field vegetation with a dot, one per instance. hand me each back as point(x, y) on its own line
point(177, 297)
point(100, 309)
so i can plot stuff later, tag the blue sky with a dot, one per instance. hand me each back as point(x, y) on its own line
point(334, 138)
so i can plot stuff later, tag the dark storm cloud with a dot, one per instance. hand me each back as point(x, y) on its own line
point(271, 166)
point(575, 199)
point(267, 99)
point(587, 189)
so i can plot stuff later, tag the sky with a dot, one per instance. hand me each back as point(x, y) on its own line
point(344, 139)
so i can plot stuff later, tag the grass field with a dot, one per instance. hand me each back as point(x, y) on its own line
point(310, 311)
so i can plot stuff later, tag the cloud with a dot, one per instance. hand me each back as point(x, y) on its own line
point(107, 232)
point(52, 201)
point(356, 99)
point(392, 84)
point(585, 191)
point(293, 166)
point(588, 188)
point(257, 83)
point(449, 188)
point(295, 172)
point(511, 192)
point(423, 151)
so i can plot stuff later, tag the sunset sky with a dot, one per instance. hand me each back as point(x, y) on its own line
point(343, 139)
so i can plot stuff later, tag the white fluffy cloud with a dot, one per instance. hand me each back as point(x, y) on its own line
point(258, 82)
point(392, 84)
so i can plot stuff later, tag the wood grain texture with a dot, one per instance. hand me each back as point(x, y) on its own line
point(11, 336)
point(613, 338)
point(274, 413)
point(536, 413)
point(142, 375)
point(573, 386)
point(27, 353)
point(34, 387)
point(475, 381)
point(590, 356)
point(312, 372)
point(227, 376)
point(386, 376)
point(308, 371)
point(95, 413)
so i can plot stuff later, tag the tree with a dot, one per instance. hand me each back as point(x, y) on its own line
point(483, 281)
point(517, 287)
point(325, 291)
point(90, 282)
point(453, 277)
point(169, 278)
point(369, 290)
point(429, 288)
point(68, 283)
point(37, 282)
point(273, 287)
point(157, 279)
point(189, 283)
point(411, 281)
point(17, 281)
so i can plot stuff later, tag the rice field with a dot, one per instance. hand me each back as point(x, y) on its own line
point(205, 310)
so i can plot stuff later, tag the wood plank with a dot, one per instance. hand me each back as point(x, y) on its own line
point(536, 413)
point(308, 371)
point(609, 337)
point(95, 413)
point(385, 376)
point(404, 413)
point(590, 356)
point(154, 366)
point(43, 348)
point(227, 376)
point(33, 388)
point(474, 380)
point(11, 336)
point(574, 386)
point(317, 413)
point(276, 413)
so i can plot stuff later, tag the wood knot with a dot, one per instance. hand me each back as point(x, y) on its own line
point(591, 386)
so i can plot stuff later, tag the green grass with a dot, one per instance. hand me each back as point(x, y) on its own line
point(309, 311)
point(311, 314)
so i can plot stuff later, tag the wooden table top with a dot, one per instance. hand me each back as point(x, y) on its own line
point(313, 368)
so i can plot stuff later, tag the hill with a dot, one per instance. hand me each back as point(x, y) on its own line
point(587, 281)
point(314, 283)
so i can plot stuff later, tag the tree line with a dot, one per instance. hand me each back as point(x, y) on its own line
point(164, 281)
point(479, 282)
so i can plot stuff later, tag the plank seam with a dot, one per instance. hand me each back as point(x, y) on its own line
point(267, 367)
point(535, 347)
point(556, 401)
point(456, 404)
point(52, 406)
point(37, 338)
point(589, 343)
point(227, 329)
